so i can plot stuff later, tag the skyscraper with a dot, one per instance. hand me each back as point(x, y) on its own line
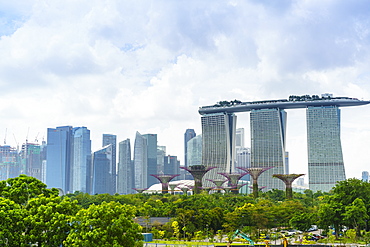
point(31, 160)
point(9, 162)
point(365, 176)
point(218, 138)
point(243, 159)
point(194, 155)
point(59, 158)
point(239, 139)
point(161, 152)
point(189, 134)
point(112, 139)
point(81, 166)
point(171, 165)
point(268, 145)
point(151, 141)
point(125, 174)
point(325, 159)
point(140, 162)
point(102, 171)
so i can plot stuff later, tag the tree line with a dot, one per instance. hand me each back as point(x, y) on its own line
point(31, 214)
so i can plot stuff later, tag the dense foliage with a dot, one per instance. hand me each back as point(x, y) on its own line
point(31, 214)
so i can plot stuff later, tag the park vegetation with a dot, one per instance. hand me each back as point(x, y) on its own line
point(33, 215)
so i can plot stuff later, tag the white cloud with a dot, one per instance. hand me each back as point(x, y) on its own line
point(125, 66)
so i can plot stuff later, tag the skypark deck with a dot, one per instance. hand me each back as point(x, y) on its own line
point(294, 102)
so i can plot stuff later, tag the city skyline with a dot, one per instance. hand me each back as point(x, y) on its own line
point(148, 66)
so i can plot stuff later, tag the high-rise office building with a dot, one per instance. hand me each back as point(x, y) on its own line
point(171, 166)
point(194, 155)
point(102, 181)
point(243, 159)
point(151, 141)
point(189, 134)
point(31, 160)
point(365, 176)
point(239, 139)
point(81, 165)
point(268, 145)
point(325, 159)
point(218, 138)
point(112, 139)
point(140, 162)
point(125, 174)
point(286, 168)
point(9, 162)
point(161, 152)
point(59, 158)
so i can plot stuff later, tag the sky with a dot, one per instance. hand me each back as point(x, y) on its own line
point(122, 66)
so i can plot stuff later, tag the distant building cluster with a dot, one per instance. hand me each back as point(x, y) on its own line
point(66, 161)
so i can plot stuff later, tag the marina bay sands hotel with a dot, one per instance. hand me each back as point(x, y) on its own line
point(268, 138)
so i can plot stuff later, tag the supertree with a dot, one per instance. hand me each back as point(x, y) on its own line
point(172, 187)
point(184, 190)
point(255, 172)
point(233, 180)
point(198, 172)
point(288, 180)
point(140, 190)
point(218, 183)
point(164, 179)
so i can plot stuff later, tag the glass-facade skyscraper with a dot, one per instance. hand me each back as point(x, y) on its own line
point(171, 166)
point(102, 172)
point(59, 158)
point(112, 139)
point(268, 127)
point(218, 149)
point(151, 142)
point(325, 158)
point(125, 174)
point(189, 134)
point(194, 155)
point(140, 162)
point(81, 166)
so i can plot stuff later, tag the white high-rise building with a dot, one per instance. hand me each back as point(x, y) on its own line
point(325, 159)
point(268, 128)
point(218, 149)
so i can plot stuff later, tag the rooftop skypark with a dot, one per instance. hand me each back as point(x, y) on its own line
point(293, 102)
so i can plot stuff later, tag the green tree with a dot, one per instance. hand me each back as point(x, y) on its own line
point(23, 188)
point(48, 220)
point(356, 215)
point(302, 221)
point(106, 225)
point(12, 225)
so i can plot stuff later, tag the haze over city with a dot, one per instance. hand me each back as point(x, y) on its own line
point(119, 67)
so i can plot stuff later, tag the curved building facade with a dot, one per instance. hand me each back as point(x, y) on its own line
point(218, 144)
